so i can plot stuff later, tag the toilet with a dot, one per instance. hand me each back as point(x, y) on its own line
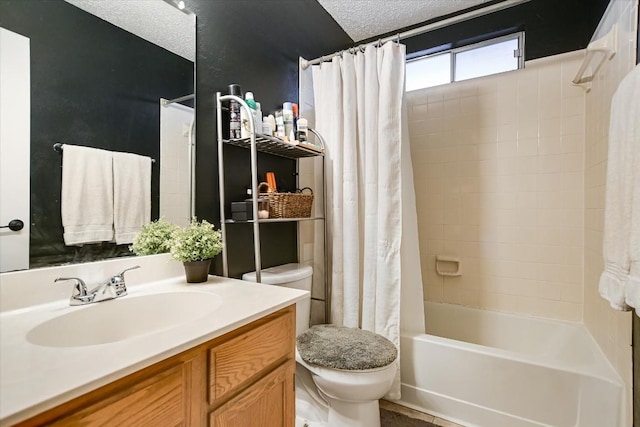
point(341, 372)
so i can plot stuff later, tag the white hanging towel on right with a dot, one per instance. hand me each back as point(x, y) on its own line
point(620, 281)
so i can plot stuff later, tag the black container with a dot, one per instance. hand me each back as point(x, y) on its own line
point(241, 211)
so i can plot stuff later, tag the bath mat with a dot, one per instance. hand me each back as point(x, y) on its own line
point(394, 419)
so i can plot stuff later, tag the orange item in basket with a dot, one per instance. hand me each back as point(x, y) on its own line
point(271, 180)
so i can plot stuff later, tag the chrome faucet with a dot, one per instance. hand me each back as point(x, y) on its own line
point(114, 287)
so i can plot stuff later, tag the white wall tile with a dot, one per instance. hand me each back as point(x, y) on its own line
point(501, 165)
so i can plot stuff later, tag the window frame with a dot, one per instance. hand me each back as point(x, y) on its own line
point(519, 35)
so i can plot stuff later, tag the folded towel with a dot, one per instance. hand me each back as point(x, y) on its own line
point(621, 244)
point(87, 195)
point(131, 194)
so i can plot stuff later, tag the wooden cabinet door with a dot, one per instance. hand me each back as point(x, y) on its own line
point(267, 403)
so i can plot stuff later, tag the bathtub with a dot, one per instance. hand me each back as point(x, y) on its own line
point(483, 368)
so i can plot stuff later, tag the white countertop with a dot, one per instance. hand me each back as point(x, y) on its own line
point(35, 378)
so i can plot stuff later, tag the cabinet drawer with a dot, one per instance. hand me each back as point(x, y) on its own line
point(158, 401)
point(236, 363)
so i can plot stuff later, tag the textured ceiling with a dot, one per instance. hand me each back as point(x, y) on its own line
point(364, 19)
point(153, 20)
point(165, 26)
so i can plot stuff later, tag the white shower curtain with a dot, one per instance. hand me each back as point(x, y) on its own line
point(358, 102)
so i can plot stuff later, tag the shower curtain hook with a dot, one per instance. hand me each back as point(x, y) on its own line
point(398, 38)
point(379, 42)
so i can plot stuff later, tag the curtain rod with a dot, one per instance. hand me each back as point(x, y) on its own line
point(421, 30)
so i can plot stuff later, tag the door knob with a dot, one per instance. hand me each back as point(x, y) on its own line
point(14, 225)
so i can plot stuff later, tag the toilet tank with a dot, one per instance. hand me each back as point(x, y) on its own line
point(293, 275)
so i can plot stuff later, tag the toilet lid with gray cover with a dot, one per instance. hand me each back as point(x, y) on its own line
point(340, 347)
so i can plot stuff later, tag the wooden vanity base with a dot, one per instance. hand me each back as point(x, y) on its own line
point(243, 378)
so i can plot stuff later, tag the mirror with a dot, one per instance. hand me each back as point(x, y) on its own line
point(90, 82)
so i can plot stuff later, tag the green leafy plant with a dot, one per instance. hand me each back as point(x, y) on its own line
point(154, 238)
point(197, 242)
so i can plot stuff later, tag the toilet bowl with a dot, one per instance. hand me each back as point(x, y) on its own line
point(338, 393)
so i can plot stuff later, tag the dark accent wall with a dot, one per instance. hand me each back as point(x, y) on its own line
point(92, 84)
point(551, 27)
point(255, 44)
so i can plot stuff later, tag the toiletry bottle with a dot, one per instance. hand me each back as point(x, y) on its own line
point(234, 112)
point(257, 118)
point(294, 107)
point(266, 126)
point(244, 124)
point(280, 129)
point(303, 127)
point(244, 115)
point(287, 117)
point(272, 123)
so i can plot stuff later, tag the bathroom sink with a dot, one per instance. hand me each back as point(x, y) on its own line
point(122, 318)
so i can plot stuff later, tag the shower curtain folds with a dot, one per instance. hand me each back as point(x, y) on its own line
point(358, 100)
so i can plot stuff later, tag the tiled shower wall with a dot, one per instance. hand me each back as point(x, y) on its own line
point(175, 189)
point(499, 174)
point(611, 328)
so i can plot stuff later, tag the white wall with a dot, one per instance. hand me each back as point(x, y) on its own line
point(15, 140)
point(175, 174)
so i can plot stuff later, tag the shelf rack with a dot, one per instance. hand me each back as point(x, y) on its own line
point(270, 145)
point(276, 146)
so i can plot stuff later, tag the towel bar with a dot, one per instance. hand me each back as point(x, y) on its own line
point(59, 147)
point(606, 48)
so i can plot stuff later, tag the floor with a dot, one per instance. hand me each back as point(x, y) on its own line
point(416, 415)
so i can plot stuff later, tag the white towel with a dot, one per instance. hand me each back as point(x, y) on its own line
point(632, 85)
point(87, 195)
point(131, 194)
point(621, 246)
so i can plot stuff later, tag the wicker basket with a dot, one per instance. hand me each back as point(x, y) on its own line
point(289, 205)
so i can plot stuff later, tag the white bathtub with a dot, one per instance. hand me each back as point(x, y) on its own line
point(483, 368)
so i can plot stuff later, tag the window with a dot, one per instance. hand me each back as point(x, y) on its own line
point(428, 71)
point(476, 60)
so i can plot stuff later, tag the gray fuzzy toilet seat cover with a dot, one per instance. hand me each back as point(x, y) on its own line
point(351, 349)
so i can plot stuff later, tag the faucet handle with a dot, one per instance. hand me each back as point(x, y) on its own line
point(118, 283)
point(80, 288)
point(121, 274)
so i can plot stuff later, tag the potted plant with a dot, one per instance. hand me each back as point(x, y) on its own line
point(154, 238)
point(195, 246)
